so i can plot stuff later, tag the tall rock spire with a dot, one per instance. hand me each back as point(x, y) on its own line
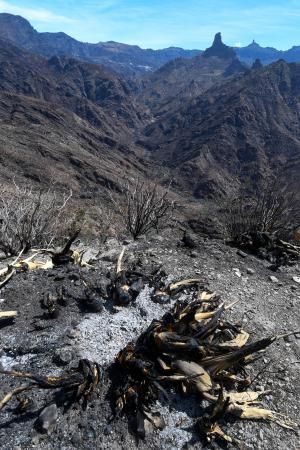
point(219, 49)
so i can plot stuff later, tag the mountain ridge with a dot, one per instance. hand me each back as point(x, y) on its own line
point(122, 58)
point(208, 122)
point(65, 120)
point(182, 79)
point(238, 131)
point(128, 60)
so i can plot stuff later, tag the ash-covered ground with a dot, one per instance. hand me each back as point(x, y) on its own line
point(35, 343)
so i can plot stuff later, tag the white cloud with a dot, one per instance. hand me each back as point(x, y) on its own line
point(237, 44)
point(42, 15)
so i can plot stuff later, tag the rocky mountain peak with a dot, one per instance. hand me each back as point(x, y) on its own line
point(219, 49)
point(15, 28)
point(236, 66)
point(217, 39)
point(254, 44)
point(257, 64)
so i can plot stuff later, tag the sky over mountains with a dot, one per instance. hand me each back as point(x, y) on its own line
point(159, 24)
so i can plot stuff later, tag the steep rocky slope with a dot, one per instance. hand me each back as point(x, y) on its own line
point(244, 128)
point(208, 122)
point(88, 90)
point(184, 79)
point(63, 119)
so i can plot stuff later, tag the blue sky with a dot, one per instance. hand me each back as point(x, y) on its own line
point(163, 23)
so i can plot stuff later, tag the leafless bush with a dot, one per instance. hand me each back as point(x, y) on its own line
point(144, 206)
point(100, 221)
point(273, 208)
point(30, 217)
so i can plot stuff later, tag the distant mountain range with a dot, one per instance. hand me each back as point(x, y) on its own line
point(209, 122)
point(266, 55)
point(125, 59)
point(129, 60)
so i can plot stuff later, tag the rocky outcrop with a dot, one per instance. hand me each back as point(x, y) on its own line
point(235, 67)
point(257, 64)
point(219, 49)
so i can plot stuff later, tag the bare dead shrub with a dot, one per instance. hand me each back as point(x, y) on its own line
point(30, 217)
point(274, 208)
point(143, 207)
point(101, 221)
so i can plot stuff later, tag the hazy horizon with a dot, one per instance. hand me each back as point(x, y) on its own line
point(166, 24)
